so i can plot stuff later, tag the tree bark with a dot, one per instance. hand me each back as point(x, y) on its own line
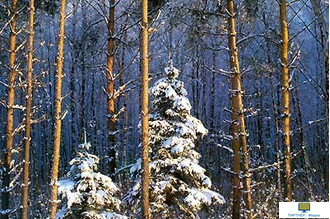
point(110, 89)
point(10, 112)
point(28, 115)
point(144, 110)
point(58, 105)
point(238, 123)
point(285, 99)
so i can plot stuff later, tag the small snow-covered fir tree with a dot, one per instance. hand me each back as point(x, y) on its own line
point(179, 187)
point(86, 193)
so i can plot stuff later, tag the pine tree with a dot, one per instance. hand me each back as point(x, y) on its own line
point(285, 100)
point(144, 65)
point(8, 162)
point(237, 128)
point(58, 111)
point(86, 193)
point(178, 185)
point(28, 115)
point(110, 89)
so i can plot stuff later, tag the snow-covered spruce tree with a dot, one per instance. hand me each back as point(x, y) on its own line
point(179, 187)
point(86, 193)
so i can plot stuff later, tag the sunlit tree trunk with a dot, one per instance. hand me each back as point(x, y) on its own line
point(110, 89)
point(285, 99)
point(238, 122)
point(144, 110)
point(28, 115)
point(10, 112)
point(58, 105)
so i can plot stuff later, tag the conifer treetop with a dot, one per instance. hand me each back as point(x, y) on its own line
point(86, 193)
point(171, 71)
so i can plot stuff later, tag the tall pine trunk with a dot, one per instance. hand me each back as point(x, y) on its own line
point(285, 100)
point(58, 105)
point(10, 112)
point(28, 115)
point(110, 89)
point(238, 123)
point(144, 110)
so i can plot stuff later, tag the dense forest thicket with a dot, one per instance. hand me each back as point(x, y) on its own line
point(162, 108)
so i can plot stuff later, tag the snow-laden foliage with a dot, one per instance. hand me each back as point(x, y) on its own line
point(179, 187)
point(86, 193)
